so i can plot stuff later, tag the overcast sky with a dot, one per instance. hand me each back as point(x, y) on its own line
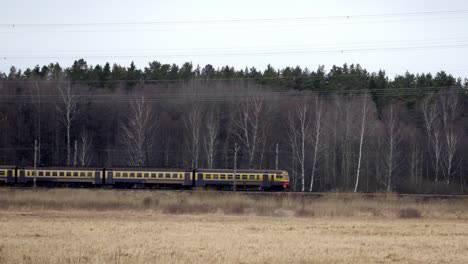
point(417, 43)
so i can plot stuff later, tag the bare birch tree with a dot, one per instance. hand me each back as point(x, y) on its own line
point(449, 106)
point(316, 138)
point(436, 142)
point(393, 139)
point(429, 111)
point(137, 131)
point(84, 150)
point(193, 123)
point(361, 142)
point(210, 139)
point(248, 126)
point(299, 122)
point(68, 112)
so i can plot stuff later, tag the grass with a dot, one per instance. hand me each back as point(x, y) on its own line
point(149, 237)
point(107, 226)
point(227, 203)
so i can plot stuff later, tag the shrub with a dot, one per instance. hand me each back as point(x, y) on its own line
point(409, 213)
point(303, 212)
point(235, 207)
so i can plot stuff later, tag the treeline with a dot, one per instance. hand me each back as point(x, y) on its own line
point(339, 130)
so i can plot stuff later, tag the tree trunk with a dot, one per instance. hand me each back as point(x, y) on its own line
point(363, 123)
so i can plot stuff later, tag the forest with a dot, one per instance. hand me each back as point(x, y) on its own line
point(338, 130)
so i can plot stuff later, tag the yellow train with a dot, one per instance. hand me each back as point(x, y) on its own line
point(277, 180)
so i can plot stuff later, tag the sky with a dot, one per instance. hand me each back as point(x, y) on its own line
point(396, 36)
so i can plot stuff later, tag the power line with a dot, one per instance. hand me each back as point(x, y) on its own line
point(257, 28)
point(339, 46)
point(342, 17)
point(296, 52)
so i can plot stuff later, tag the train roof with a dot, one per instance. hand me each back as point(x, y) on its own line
point(147, 169)
point(62, 168)
point(240, 171)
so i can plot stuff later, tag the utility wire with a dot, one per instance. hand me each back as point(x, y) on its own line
point(270, 47)
point(292, 52)
point(342, 17)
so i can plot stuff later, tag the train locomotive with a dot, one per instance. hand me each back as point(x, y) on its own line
point(268, 180)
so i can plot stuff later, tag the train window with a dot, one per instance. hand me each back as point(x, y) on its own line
point(90, 174)
point(175, 176)
point(139, 175)
point(61, 173)
point(168, 175)
point(229, 177)
point(244, 177)
point(47, 173)
point(200, 175)
point(153, 175)
point(125, 175)
point(252, 177)
point(160, 175)
point(208, 177)
point(238, 177)
point(117, 174)
point(2, 173)
point(54, 173)
point(215, 177)
point(223, 176)
point(146, 175)
point(132, 175)
point(82, 174)
point(41, 173)
point(75, 174)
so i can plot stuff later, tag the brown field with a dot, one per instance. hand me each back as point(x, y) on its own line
point(106, 226)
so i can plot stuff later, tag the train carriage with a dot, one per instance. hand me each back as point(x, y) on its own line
point(148, 177)
point(56, 175)
point(7, 174)
point(243, 179)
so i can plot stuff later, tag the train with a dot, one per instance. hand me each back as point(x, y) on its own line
point(221, 179)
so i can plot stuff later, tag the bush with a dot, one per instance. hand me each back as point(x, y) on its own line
point(302, 212)
point(409, 213)
point(235, 207)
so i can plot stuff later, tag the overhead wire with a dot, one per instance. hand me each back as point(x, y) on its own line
point(346, 17)
point(258, 53)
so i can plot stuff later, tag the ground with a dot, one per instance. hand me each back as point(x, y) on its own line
point(48, 235)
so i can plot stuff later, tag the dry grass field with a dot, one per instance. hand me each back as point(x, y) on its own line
point(106, 226)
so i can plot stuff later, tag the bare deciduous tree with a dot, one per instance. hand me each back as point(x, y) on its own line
point(137, 131)
point(436, 142)
point(429, 111)
point(193, 122)
point(211, 135)
point(449, 106)
point(68, 112)
point(299, 122)
point(84, 150)
point(361, 142)
point(393, 139)
point(248, 124)
point(316, 138)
